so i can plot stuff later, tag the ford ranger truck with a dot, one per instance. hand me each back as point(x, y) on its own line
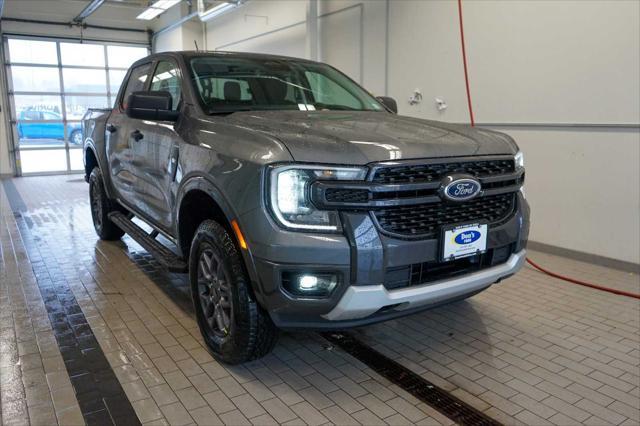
point(294, 199)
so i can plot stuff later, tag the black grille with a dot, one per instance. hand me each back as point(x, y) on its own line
point(426, 220)
point(423, 273)
point(435, 172)
point(346, 195)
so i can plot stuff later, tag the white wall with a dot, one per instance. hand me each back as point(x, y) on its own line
point(276, 27)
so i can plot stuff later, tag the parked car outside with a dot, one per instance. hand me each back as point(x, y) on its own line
point(39, 125)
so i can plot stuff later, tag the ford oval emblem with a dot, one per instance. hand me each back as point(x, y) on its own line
point(467, 237)
point(461, 189)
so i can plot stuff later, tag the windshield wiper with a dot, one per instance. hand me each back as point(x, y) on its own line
point(227, 111)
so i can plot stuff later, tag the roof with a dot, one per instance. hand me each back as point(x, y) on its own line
point(188, 54)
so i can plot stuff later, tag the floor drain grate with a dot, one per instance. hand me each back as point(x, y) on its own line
point(444, 402)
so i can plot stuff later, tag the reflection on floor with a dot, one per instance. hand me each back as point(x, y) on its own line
point(531, 350)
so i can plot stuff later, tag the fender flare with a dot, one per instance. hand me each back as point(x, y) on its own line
point(204, 184)
point(89, 145)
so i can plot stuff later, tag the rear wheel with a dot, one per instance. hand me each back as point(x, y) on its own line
point(101, 206)
point(76, 137)
point(235, 328)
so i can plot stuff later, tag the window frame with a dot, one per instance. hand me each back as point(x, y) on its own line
point(12, 116)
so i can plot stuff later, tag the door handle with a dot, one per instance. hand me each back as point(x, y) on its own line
point(111, 128)
point(137, 135)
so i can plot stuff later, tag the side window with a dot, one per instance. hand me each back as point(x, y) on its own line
point(31, 115)
point(330, 93)
point(137, 79)
point(50, 116)
point(166, 79)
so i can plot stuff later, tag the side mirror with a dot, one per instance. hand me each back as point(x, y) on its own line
point(390, 103)
point(151, 106)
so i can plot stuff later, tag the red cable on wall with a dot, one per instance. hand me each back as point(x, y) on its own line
point(464, 62)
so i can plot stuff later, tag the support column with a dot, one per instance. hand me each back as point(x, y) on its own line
point(312, 50)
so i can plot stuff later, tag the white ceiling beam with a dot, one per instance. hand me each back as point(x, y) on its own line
point(88, 10)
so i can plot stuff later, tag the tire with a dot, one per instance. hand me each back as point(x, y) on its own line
point(101, 206)
point(76, 137)
point(242, 331)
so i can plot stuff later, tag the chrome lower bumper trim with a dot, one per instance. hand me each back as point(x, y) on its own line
point(362, 301)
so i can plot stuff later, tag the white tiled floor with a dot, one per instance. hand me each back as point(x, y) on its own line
point(532, 350)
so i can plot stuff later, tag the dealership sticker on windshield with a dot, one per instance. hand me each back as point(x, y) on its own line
point(463, 241)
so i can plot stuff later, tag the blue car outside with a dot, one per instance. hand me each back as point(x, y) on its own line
point(39, 129)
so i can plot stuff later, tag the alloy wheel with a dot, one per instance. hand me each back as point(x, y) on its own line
point(214, 292)
point(96, 204)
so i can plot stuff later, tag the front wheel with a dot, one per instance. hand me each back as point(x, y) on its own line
point(235, 328)
point(101, 206)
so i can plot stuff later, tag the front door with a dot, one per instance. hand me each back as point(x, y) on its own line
point(159, 145)
point(122, 149)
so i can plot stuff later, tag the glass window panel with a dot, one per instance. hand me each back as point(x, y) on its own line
point(75, 159)
point(74, 133)
point(32, 103)
point(115, 80)
point(33, 51)
point(82, 54)
point(166, 79)
point(76, 106)
point(84, 80)
point(136, 81)
point(39, 134)
point(54, 160)
point(124, 56)
point(35, 79)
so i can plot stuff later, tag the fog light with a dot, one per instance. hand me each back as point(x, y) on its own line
point(307, 284)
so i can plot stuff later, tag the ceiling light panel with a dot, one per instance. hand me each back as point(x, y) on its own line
point(156, 9)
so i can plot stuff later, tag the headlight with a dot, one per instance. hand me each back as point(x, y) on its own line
point(519, 159)
point(289, 195)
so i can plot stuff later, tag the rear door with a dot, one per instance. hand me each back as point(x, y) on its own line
point(121, 148)
point(53, 129)
point(159, 147)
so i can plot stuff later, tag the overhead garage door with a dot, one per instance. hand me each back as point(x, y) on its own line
point(51, 83)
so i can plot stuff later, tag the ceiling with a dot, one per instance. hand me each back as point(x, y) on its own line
point(114, 13)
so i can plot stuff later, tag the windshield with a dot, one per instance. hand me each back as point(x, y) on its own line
point(227, 84)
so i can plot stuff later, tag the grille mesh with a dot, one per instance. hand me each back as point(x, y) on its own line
point(346, 195)
point(435, 172)
point(425, 220)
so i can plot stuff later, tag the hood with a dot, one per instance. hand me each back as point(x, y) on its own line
point(361, 137)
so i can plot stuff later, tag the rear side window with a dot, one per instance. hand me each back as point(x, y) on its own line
point(166, 79)
point(136, 82)
point(31, 115)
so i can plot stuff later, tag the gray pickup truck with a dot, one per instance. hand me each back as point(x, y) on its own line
point(295, 199)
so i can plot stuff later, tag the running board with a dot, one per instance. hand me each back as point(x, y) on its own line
point(162, 254)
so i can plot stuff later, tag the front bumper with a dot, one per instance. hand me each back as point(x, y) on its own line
point(365, 258)
point(362, 301)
